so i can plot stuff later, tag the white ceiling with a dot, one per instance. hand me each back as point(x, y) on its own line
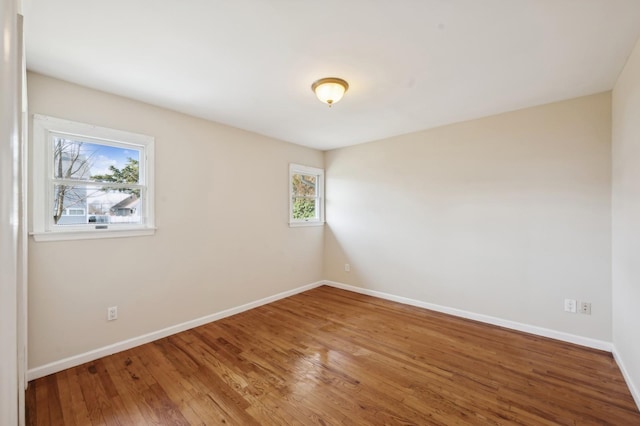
point(411, 64)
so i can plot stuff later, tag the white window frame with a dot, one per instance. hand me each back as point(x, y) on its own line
point(319, 173)
point(44, 229)
point(82, 212)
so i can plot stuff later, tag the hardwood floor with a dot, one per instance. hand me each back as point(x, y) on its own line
point(329, 356)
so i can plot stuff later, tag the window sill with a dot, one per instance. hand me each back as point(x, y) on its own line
point(302, 224)
point(91, 234)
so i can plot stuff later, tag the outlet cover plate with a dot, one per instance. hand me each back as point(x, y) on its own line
point(585, 308)
point(570, 305)
point(112, 313)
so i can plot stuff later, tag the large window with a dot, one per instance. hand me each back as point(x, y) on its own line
point(90, 182)
point(306, 194)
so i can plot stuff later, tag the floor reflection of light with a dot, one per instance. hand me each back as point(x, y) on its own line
point(309, 369)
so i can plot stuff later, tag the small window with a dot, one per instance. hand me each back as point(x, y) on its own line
point(86, 175)
point(306, 194)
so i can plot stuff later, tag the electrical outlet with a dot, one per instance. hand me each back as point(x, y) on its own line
point(112, 313)
point(570, 305)
point(585, 308)
point(347, 267)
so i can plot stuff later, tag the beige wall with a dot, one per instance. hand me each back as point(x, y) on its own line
point(626, 219)
point(222, 238)
point(504, 216)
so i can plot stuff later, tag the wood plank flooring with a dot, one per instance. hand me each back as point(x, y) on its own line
point(330, 357)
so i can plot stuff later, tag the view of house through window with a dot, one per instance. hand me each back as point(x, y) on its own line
point(94, 183)
point(90, 181)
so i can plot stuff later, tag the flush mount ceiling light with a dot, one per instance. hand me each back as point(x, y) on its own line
point(330, 90)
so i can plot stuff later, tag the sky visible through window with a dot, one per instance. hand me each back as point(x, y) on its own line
point(96, 159)
point(91, 178)
point(104, 156)
point(89, 202)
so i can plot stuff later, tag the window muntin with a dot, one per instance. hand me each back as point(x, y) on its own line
point(306, 190)
point(92, 181)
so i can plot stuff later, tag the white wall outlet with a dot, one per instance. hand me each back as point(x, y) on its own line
point(570, 305)
point(112, 313)
point(347, 267)
point(585, 308)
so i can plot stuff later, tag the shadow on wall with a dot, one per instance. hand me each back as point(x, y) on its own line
point(338, 265)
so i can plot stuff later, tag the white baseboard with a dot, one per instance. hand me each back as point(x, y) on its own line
point(635, 393)
point(76, 360)
point(539, 331)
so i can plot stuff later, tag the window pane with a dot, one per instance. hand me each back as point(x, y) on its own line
point(302, 184)
point(94, 204)
point(86, 161)
point(304, 208)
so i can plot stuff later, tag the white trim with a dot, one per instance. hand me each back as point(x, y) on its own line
point(303, 224)
point(90, 131)
point(311, 171)
point(54, 367)
point(532, 329)
point(42, 223)
point(91, 234)
point(635, 392)
point(11, 142)
point(76, 360)
point(23, 246)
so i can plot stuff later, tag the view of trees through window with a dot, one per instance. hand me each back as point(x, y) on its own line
point(95, 183)
point(304, 189)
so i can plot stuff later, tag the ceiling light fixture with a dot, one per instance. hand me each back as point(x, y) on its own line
point(330, 90)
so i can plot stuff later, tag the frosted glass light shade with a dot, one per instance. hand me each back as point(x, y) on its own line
point(330, 90)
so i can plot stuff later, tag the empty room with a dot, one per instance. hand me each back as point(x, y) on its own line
point(290, 212)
